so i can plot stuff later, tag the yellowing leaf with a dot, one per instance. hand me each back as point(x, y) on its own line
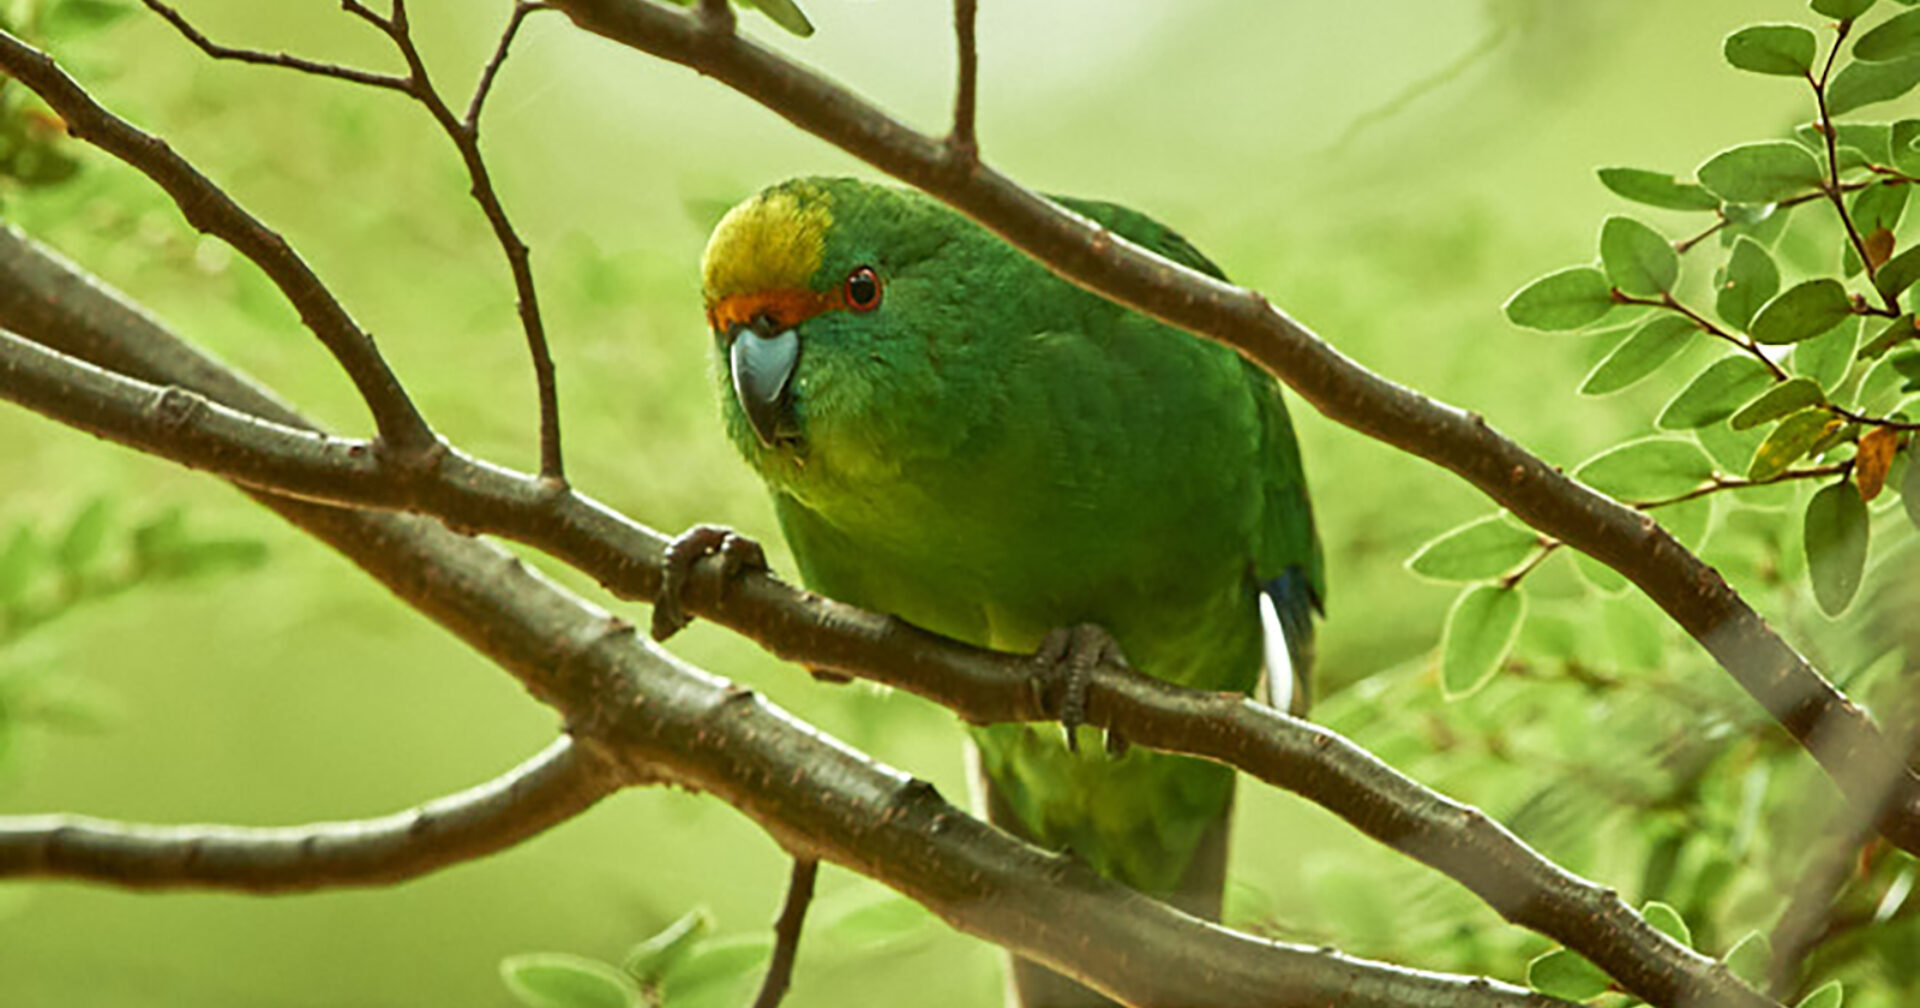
point(1875, 457)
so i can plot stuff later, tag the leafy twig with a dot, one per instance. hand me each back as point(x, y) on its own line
point(1831, 188)
point(1721, 483)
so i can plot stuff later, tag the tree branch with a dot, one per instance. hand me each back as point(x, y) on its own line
point(649, 715)
point(209, 209)
point(1825, 722)
point(983, 686)
point(555, 785)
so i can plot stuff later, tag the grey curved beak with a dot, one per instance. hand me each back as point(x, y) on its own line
point(763, 367)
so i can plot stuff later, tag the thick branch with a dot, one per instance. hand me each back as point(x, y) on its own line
point(982, 685)
point(208, 208)
point(653, 716)
point(1831, 727)
point(555, 785)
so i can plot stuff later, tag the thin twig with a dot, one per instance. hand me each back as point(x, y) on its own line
point(318, 68)
point(1831, 187)
point(1720, 484)
point(465, 135)
point(211, 210)
point(471, 120)
point(1686, 245)
point(554, 786)
point(963, 139)
point(1745, 343)
point(1547, 546)
point(786, 933)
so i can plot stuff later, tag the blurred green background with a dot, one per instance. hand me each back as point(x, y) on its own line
point(1388, 170)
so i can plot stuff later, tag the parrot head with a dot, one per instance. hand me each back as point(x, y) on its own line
point(834, 306)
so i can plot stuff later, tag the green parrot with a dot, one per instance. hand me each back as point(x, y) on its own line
point(956, 436)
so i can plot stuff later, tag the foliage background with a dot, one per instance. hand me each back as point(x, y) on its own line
point(1389, 170)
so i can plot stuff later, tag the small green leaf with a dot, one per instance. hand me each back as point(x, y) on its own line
point(1668, 921)
point(1637, 260)
point(650, 960)
point(1750, 958)
point(84, 537)
point(1715, 393)
point(1880, 206)
point(1783, 49)
point(1687, 522)
point(1802, 311)
point(1562, 973)
point(1899, 273)
point(1841, 10)
point(1657, 189)
point(1480, 629)
point(559, 980)
point(1829, 994)
point(1641, 354)
point(785, 14)
point(1749, 281)
point(1836, 541)
point(1778, 401)
point(1826, 358)
point(1486, 548)
point(1790, 442)
point(71, 17)
point(1910, 489)
point(1730, 449)
point(714, 962)
point(1860, 84)
point(1569, 299)
point(17, 564)
point(1868, 140)
point(1649, 469)
point(1900, 146)
point(1898, 331)
point(1764, 172)
point(1898, 37)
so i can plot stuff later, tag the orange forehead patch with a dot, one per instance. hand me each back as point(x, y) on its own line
point(787, 308)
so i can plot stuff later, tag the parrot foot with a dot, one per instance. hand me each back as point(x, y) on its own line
point(1070, 654)
point(737, 554)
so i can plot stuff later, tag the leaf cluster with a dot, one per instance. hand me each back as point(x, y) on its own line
point(687, 965)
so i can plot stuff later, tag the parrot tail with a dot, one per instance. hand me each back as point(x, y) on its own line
point(1201, 890)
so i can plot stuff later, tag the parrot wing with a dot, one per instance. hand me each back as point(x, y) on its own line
point(1285, 556)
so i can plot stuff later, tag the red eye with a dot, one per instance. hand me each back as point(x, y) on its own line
point(862, 289)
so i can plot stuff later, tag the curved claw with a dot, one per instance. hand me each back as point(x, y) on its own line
point(1071, 654)
point(737, 553)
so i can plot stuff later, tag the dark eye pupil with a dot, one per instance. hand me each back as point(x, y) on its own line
point(863, 288)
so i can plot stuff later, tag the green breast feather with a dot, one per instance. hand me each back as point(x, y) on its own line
point(990, 452)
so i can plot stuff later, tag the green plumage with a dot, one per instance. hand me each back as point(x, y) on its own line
point(992, 453)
